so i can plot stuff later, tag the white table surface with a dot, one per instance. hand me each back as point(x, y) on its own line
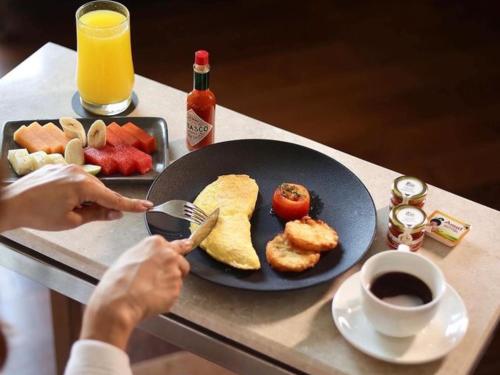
point(293, 327)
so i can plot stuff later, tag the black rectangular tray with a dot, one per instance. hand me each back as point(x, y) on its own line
point(156, 126)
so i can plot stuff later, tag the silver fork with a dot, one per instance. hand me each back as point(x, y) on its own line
point(182, 210)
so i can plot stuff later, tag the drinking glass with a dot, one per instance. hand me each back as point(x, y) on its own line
point(105, 72)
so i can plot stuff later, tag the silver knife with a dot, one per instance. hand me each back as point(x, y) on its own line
point(204, 229)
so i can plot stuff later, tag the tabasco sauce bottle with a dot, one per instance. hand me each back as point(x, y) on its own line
point(200, 105)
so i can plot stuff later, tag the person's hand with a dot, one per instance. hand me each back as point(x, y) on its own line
point(145, 281)
point(58, 197)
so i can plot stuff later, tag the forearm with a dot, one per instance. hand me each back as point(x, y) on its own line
point(111, 327)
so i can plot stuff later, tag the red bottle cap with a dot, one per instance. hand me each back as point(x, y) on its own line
point(201, 57)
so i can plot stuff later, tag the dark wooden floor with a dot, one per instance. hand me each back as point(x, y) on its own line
point(412, 86)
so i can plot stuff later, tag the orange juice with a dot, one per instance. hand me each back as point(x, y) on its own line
point(105, 73)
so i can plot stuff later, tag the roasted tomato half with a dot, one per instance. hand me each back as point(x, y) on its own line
point(291, 201)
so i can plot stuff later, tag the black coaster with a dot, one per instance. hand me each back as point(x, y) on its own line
point(77, 107)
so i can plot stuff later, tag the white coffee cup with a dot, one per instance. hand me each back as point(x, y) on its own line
point(391, 319)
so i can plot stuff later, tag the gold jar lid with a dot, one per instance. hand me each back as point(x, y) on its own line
point(408, 187)
point(408, 218)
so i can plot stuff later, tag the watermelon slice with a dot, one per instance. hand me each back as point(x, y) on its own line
point(112, 138)
point(103, 158)
point(126, 137)
point(144, 162)
point(147, 143)
point(125, 161)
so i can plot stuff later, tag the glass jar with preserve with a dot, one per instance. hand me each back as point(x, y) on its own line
point(408, 190)
point(406, 227)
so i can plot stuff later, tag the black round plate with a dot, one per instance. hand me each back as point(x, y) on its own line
point(338, 198)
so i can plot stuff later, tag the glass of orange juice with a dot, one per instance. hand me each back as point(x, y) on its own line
point(105, 72)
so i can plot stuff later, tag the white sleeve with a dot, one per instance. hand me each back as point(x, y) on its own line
point(92, 357)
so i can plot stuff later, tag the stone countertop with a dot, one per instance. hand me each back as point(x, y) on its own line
point(294, 327)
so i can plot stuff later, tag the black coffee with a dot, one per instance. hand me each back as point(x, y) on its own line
point(401, 288)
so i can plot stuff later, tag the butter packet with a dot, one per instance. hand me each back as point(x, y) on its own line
point(446, 229)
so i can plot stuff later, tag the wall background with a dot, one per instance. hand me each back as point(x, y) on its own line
point(412, 86)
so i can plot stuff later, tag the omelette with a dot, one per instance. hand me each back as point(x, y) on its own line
point(230, 241)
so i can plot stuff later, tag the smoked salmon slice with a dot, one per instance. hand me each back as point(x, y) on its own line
point(127, 138)
point(26, 137)
point(112, 138)
point(37, 129)
point(57, 135)
point(48, 138)
point(147, 143)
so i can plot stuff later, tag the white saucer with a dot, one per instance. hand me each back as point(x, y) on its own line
point(436, 340)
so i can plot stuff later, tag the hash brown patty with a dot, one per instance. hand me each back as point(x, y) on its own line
point(282, 256)
point(311, 235)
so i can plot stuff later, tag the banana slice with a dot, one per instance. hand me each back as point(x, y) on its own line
point(96, 137)
point(56, 159)
point(20, 161)
point(73, 129)
point(38, 160)
point(74, 152)
point(92, 169)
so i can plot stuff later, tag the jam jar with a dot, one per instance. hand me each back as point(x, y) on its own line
point(407, 226)
point(408, 190)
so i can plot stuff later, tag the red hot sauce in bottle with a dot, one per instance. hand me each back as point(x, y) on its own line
point(200, 105)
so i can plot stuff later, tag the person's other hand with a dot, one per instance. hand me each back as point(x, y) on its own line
point(58, 197)
point(145, 281)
